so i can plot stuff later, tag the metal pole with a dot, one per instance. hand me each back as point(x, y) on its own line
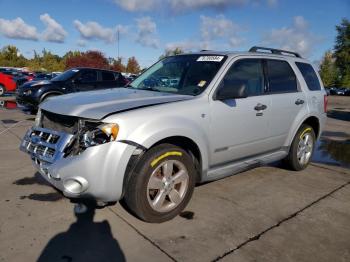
point(118, 42)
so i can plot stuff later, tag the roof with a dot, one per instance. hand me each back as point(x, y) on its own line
point(275, 53)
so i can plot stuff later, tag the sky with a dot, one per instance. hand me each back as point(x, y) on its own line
point(146, 28)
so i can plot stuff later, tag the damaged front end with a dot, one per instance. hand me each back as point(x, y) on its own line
point(80, 157)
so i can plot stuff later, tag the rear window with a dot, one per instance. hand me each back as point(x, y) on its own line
point(108, 76)
point(281, 77)
point(309, 75)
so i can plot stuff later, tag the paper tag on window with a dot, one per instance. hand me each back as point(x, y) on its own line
point(212, 58)
point(202, 83)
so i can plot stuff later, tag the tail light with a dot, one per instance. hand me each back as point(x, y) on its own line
point(325, 103)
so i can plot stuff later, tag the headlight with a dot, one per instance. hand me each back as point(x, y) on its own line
point(37, 118)
point(102, 134)
point(27, 92)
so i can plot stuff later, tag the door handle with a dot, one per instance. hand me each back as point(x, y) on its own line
point(260, 107)
point(299, 102)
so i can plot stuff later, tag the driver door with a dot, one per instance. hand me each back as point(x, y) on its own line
point(240, 127)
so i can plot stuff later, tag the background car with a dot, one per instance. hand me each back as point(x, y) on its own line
point(32, 93)
point(44, 76)
point(7, 84)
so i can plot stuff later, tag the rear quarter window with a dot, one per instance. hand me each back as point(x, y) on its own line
point(309, 76)
point(107, 76)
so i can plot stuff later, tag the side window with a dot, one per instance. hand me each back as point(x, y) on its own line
point(281, 77)
point(107, 76)
point(88, 76)
point(248, 72)
point(309, 75)
point(117, 76)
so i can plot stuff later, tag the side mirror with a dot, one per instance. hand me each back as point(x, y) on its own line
point(231, 90)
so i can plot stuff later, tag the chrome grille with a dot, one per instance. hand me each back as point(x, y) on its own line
point(45, 145)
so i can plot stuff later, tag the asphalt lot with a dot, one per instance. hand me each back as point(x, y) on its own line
point(265, 214)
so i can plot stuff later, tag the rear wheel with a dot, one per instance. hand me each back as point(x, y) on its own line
point(301, 149)
point(2, 90)
point(161, 185)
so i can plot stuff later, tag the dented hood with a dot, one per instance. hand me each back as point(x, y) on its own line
point(99, 104)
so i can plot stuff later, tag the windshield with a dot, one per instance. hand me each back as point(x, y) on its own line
point(184, 74)
point(66, 75)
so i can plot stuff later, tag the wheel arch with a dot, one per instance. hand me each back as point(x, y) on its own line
point(311, 120)
point(189, 146)
point(314, 122)
point(49, 93)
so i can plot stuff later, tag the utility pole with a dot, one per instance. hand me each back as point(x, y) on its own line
point(118, 42)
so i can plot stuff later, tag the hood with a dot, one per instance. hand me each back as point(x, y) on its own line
point(40, 83)
point(99, 104)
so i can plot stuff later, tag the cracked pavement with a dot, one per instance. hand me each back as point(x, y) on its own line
point(265, 214)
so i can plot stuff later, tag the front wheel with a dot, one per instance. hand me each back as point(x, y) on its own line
point(301, 149)
point(161, 185)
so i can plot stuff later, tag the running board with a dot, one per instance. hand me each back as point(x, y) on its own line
point(245, 164)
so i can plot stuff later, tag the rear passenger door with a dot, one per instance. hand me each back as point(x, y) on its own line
point(108, 80)
point(288, 102)
point(86, 81)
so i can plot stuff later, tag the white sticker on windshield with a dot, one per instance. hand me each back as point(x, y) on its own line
point(212, 58)
point(75, 70)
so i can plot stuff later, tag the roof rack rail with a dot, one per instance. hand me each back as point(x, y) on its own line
point(274, 51)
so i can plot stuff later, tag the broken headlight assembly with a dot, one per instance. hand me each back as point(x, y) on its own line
point(98, 135)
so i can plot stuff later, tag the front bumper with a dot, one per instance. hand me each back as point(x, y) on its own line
point(26, 101)
point(98, 172)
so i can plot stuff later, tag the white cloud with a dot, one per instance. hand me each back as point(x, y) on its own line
point(184, 5)
point(219, 27)
point(236, 41)
point(215, 33)
point(147, 32)
point(175, 6)
point(296, 37)
point(54, 32)
point(137, 5)
point(18, 29)
point(81, 43)
point(94, 31)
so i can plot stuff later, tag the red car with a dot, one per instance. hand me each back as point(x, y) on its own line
point(7, 84)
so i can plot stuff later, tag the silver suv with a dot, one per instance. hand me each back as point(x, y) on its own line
point(186, 120)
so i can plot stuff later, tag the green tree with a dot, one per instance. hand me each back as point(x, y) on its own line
point(11, 56)
point(46, 61)
point(328, 70)
point(172, 52)
point(342, 52)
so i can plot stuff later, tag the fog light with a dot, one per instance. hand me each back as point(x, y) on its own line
point(76, 185)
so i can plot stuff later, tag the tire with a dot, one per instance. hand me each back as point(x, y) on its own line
point(300, 154)
point(161, 184)
point(2, 90)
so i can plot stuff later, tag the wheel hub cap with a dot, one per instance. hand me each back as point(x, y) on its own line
point(167, 186)
point(305, 148)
